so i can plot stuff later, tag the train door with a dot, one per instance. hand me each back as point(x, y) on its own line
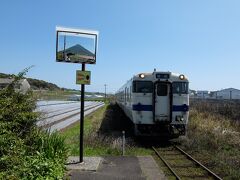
point(162, 102)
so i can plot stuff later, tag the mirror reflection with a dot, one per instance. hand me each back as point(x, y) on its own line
point(76, 47)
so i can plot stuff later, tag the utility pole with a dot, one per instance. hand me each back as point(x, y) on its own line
point(105, 92)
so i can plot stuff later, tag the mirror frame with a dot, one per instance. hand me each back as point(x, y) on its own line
point(77, 31)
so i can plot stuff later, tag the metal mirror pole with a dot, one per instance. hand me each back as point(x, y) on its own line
point(82, 118)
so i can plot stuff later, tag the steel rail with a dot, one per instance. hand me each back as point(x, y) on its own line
point(165, 162)
point(198, 163)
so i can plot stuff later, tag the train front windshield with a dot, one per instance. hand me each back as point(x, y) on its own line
point(180, 87)
point(142, 86)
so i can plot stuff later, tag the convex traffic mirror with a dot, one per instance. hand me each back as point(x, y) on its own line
point(76, 46)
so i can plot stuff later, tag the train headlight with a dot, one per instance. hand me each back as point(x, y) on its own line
point(182, 77)
point(179, 118)
point(141, 76)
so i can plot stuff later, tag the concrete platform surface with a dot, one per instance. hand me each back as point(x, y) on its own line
point(89, 163)
point(121, 168)
point(150, 168)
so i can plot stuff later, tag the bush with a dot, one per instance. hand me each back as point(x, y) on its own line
point(27, 152)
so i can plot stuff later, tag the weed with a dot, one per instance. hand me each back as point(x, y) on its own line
point(214, 137)
point(102, 134)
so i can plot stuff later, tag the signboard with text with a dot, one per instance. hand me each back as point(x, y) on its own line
point(83, 77)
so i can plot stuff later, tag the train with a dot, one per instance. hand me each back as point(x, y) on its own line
point(157, 103)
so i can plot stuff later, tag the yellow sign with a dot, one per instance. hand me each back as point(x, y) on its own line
point(83, 77)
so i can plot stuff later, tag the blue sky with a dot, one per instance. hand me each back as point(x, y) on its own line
point(199, 38)
point(72, 40)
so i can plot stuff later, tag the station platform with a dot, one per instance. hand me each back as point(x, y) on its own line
point(115, 167)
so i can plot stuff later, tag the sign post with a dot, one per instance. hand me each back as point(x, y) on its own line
point(82, 119)
point(77, 46)
point(82, 77)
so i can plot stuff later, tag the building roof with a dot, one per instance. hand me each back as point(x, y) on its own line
point(229, 89)
point(200, 91)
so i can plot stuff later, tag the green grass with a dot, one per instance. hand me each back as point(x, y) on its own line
point(53, 95)
point(62, 95)
point(72, 136)
point(95, 144)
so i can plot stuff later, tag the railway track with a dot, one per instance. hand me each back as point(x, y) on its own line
point(181, 165)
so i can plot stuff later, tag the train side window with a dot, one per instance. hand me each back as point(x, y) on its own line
point(125, 95)
point(162, 89)
point(130, 92)
point(142, 86)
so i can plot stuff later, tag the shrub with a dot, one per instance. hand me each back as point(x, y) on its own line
point(27, 152)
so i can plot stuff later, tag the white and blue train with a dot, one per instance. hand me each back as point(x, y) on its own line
point(157, 103)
